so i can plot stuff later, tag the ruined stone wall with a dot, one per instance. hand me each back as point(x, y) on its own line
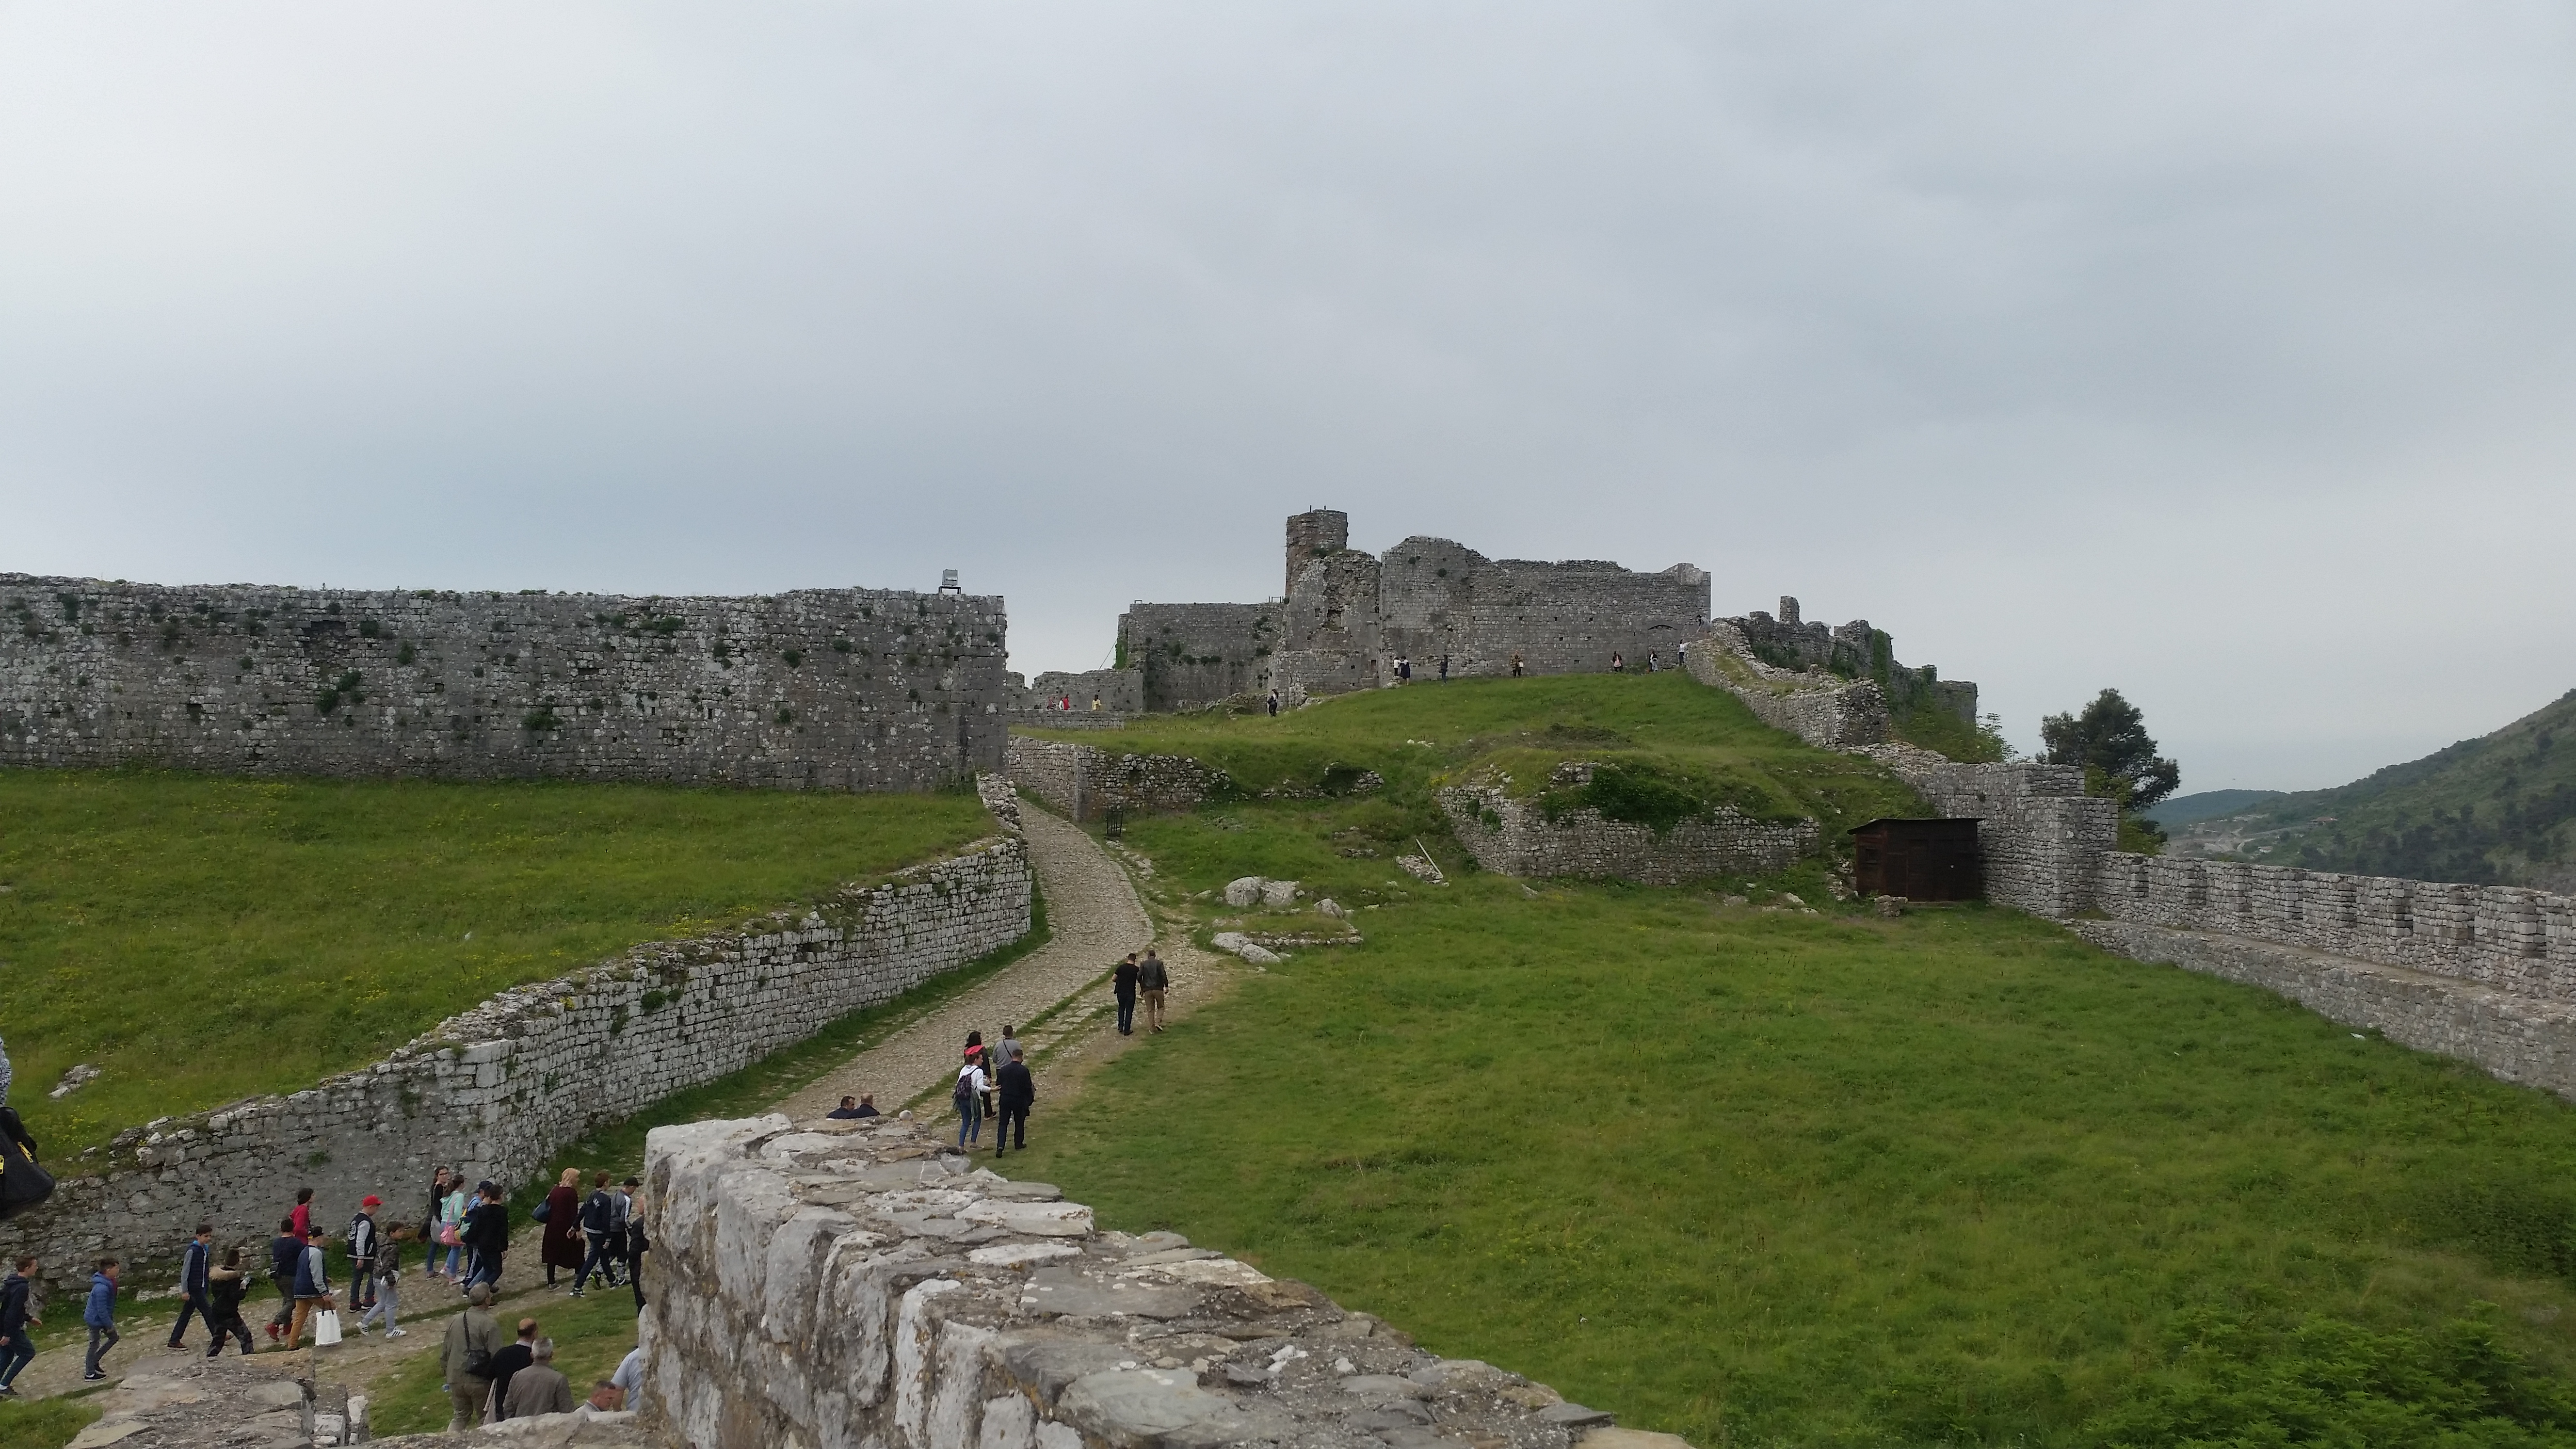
point(1437, 597)
point(2517, 941)
point(1852, 651)
point(830, 689)
point(1515, 838)
point(1085, 782)
point(1824, 711)
point(848, 1285)
point(1119, 691)
point(2042, 837)
point(1196, 654)
point(499, 1089)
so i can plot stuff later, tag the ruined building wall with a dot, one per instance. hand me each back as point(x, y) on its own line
point(1853, 651)
point(1437, 597)
point(831, 689)
point(503, 1087)
point(1195, 654)
point(850, 1285)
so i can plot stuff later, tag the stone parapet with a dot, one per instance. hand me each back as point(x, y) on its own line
point(820, 689)
point(2513, 1036)
point(499, 1089)
point(842, 1285)
point(2517, 941)
point(1515, 838)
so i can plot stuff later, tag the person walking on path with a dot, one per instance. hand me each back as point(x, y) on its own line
point(473, 1336)
point(226, 1282)
point(563, 1215)
point(388, 1302)
point(194, 1265)
point(303, 1213)
point(1152, 979)
point(1122, 984)
point(17, 1345)
point(506, 1366)
point(637, 1244)
point(100, 1315)
point(451, 1225)
point(1019, 1093)
point(968, 1099)
point(364, 1243)
point(1516, 664)
point(599, 1219)
point(439, 1184)
point(1444, 669)
point(284, 1251)
point(487, 1234)
point(538, 1388)
point(312, 1287)
point(1001, 1053)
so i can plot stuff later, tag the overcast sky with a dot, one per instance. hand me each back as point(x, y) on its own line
point(2222, 353)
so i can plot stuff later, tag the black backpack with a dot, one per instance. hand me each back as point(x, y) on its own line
point(23, 1183)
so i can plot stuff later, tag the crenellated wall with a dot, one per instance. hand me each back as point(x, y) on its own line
point(829, 689)
point(500, 1088)
point(851, 1285)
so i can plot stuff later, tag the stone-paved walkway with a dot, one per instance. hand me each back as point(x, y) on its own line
point(1096, 919)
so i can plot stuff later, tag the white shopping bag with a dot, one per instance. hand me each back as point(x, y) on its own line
point(326, 1328)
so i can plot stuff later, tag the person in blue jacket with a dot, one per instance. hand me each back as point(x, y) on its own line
point(194, 1270)
point(16, 1345)
point(100, 1315)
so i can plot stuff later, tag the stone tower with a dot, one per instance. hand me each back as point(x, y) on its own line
point(1316, 533)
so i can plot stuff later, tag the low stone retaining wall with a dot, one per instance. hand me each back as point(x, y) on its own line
point(1826, 712)
point(1515, 838)
point(2042, 837)
point(2514, 940)
point(501, 1088)
point(2512, 1035)
point(1085, 782)
point(846, 1284)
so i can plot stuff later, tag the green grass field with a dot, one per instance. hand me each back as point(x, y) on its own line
point(202, 940)
point(1833, 1180)
point(1692, 744)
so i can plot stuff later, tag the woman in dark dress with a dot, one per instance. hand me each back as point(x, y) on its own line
point(563, 1244)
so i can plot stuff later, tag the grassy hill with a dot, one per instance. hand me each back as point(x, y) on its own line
point(2499, 809)
point(1778, 1178)
point(1675, 742)
point(201, 940)
point(2206, 805)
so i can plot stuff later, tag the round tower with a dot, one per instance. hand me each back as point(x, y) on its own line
point(1312, 535)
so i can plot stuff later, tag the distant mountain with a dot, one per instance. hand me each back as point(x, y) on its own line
point(2207, 805)
point(2500, 809)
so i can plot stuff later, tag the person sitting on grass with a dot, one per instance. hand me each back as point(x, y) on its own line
point(854, 1107)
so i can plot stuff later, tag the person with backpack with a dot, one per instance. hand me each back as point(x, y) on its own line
point(284, 1251)
point(487, 1233)
point(364, 1241)
point(1151, 981)
point(1019, 1093)
point(99, 1314)
point(194, 1265)
point(388, 1284)
point(1122, 984)
point(562, 1213)
point(968, 1099)
point(600, 1220)
point(17, 1345)
point(225, 1285)
point(473, 1336)
point(24, 1183)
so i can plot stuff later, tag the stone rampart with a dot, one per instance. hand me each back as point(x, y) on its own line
point(1085, 782)
point(845, 1285)
point(1824, 711)
point(1515, 838)
point(1190, 655)
point(831, 689)
point(2520, 942)
point(2042, 837)
point(1115, 691)
point(499, 1089)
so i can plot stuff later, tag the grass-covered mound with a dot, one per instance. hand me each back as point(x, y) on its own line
point(201, 940)
point(1674, 747)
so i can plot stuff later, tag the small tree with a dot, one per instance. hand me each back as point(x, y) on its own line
point(2110, 740)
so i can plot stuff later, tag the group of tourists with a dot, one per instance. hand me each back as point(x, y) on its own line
point(994, 1082)
point(490, 1379)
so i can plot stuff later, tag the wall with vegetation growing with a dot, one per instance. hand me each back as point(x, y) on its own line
point(821, 689)
point(1517, 837)
point(499, 1089)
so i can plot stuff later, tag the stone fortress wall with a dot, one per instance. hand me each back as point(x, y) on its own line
point(850, 1285)
point(1515, 838)
point(1085, 783)
point(499, 1089)
point(830, 689)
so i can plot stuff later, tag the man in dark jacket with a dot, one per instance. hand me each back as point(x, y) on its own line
point(285, 1251)
point(487, 1232)
point(193, 1268)
point(1122, 983)
point(602, 1223)
point(17, 1346)
point(364, 1240)
point(505, 1367)
point(1019, 1093)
